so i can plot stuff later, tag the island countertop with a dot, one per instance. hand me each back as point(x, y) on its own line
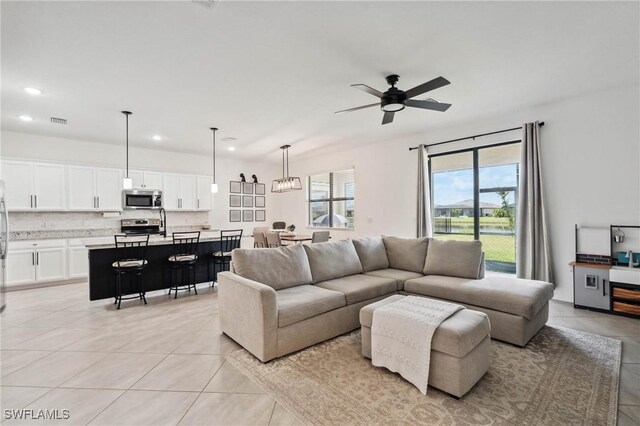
point(154, 240)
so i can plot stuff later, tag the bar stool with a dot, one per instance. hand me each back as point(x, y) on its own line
point(183, 262)
point(229, 241)
point(131, 264)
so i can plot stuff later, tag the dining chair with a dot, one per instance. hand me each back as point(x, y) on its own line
point(230, 240)
point(273, 239)
point(259, 240)
point(320, 237)
point(279, 225)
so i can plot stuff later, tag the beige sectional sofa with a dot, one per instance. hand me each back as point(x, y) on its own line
point(277, 301)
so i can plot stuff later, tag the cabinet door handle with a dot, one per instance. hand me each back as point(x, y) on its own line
point(35, 197)
point(604, 287)
point(37, 258)
point(30, 200)
point(33, 258)
point(98, 197)
point(198, 202)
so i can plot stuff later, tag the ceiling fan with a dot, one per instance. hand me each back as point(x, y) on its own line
point(394, 99)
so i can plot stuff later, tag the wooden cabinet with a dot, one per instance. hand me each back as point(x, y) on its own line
point(591, 287)
point(92, 188)
point(35, 186)
point(31, 262)
point(203, 199)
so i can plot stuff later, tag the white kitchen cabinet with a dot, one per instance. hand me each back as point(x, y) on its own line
point(81, 188)
point(203, 199)
point(31, 262)
point(21, 267)
point(187, 192)
point(49, 185)
point(18, 177)
point(51, 264)
point(109, 189)
point(179, 192)
point(171, 191)
point(146, 179)
point(78, 259)
point(92, 188)
point(34, 186)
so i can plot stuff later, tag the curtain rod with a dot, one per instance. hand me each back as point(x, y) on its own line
point(474, 136)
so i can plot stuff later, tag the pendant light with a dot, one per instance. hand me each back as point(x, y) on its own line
point(214, 185)
point(127, 182)
point(286, 183)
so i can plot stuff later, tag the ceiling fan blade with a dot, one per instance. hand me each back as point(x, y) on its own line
point(426, 87)
point(435, 106)
point(358, 108)
point(388, 117)
point(368, 89)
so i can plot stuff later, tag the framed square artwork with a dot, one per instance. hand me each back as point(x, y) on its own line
point(235, 187)
point(247, 215)
point(260, 201)
point(235, 200)
point(247, 187)
point(261, 215)
point(261, 188)
point(247, 201)
point(235, 215)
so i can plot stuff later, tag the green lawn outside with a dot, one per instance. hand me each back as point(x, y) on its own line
point(496, 247)
point(465, 224)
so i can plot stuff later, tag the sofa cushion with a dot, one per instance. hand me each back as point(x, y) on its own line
point(358, 288)
point(505, 294)
point(332, 259)
point(454, 258)
point(305, 301)
point(279, 268)
point(406, 253)
point(456, 336)
point(372, 253)
point(397, 274)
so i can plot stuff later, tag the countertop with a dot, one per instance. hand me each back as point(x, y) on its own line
point(154, 240)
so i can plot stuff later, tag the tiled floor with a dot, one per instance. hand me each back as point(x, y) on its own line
point(165, 363)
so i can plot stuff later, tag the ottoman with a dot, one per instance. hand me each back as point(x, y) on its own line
point(459, 349)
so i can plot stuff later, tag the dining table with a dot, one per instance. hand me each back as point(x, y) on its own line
point(298, 238)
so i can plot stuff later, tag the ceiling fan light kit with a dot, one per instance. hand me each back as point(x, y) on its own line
point(286, 183)
point(395, 100)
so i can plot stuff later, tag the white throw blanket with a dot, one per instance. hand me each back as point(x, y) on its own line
point(401, 334)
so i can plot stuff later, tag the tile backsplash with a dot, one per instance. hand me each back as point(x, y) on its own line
point(27, 225)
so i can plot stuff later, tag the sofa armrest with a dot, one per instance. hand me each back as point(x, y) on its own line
point(482, 269)
point(249, 314)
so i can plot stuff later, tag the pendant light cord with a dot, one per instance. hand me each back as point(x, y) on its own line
point(127, 118)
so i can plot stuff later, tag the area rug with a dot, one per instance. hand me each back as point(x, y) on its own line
point(562, 377)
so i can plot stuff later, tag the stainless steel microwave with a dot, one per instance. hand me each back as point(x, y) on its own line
point(141, 199)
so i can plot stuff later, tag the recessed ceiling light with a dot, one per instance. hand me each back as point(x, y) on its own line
point(232, 148)
point(156, 137)
point(25, 117)
point(33, 91)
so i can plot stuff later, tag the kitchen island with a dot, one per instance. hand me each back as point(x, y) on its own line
point(102, 253)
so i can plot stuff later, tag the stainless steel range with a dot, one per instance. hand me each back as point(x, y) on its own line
point(140, 226)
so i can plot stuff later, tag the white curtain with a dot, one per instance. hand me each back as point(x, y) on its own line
point(533, 254)
point(424, 228)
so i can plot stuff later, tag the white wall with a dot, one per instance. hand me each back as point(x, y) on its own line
point(44, 148)
point(591, 163)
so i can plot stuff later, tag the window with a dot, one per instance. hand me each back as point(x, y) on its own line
point(332, 199)
point(475, 196)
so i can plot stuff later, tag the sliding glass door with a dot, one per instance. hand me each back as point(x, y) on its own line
point(475, 196)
